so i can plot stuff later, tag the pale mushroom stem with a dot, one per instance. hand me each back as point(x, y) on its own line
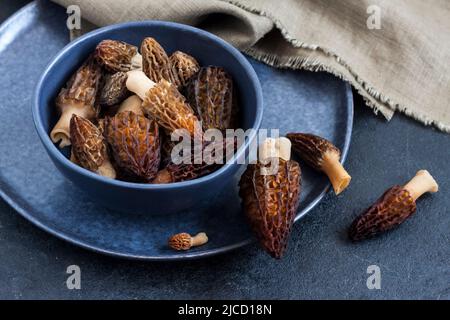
point(200, 239)
point(136, 62)
point(271, 151)
point(339, 177)
point(275, 148)
point(107, 169)
point(422, 183)
point(61, 131)
point(132, 104)
point(139, 83)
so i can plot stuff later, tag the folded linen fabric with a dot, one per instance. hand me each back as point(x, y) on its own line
point(395, 53)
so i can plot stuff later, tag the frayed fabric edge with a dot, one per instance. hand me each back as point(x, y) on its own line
point(301, 63)
point(315, 66)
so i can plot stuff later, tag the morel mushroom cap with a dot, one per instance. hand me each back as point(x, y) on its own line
point(183, 172)
point(270, 196)
point(210, 93)
point(135, 145)
point(163, 102)
point(155, 62)
point(166, 147)
point(114, 89)
point(322, 155)
point(270, 203)
point(89, 148)
point(395, 206)
point(116, 56)
point(185, 66)
point(200, 164)
point(184, 241)
point(78, 97)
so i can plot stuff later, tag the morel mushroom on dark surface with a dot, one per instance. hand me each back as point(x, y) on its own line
point(210, 94)
point(395, 206)
point(117, 56)
point(134, 142)
point(89, 148)
point(114, 89)
point(78, 97)
point(185, 66)
point(163, 102)
point(322, 155)
point(270, 199)
point(155, 62)
point(184, 241)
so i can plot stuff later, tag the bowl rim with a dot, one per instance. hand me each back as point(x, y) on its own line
point(56, 153)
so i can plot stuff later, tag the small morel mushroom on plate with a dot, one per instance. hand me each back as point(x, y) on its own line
point(89, 148)
point(114, 89)
point(270, 195)
point(132, 103)
point(117, 56)
point(395, 206)
point(184, 241)
point(322, 155)
point(78, 97)
point(200, 164)
point(210, 94)
point(156, 64)
point(185, 66)
point(163, 102)
point(135, 145)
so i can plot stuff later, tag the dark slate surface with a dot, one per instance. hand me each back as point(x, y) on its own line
point(321, 263)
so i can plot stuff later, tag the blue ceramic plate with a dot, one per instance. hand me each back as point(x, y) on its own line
point(293, 101)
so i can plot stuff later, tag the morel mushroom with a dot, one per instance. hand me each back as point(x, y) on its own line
point(270, 199)
point(183, 172)
point(117, 56)
point(323, 156)
point(133, 104)
point(184, 241)
point(185, 66)
point(200, 163)
point(134, 142)
point(163, 102)
point(210, 94)
point(89, 148)
point(155, 62)
point(77, 98)
point(114, 89)
point(395, 206)
point(166, 147)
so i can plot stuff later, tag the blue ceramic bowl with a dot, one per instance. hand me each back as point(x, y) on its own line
point(137, 197)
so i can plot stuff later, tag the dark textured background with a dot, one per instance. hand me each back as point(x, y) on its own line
point(320, 263)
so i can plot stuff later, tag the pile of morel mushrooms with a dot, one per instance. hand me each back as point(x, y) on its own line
point(120, 107)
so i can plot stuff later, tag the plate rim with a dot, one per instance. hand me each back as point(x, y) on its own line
point(185, 256)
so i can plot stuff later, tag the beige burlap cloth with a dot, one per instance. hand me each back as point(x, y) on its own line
point(395, 53)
